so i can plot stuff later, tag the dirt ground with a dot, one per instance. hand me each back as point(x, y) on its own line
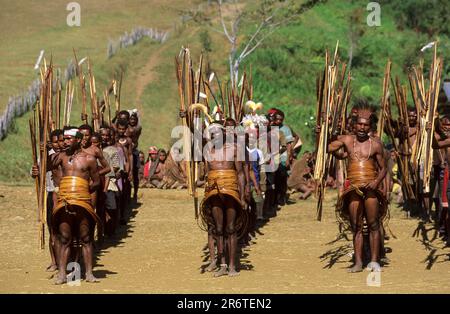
point(162, 250)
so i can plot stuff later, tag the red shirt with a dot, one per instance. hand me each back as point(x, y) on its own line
point(146, 169)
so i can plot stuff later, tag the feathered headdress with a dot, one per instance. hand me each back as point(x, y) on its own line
point(253, 106)
point(252, 119)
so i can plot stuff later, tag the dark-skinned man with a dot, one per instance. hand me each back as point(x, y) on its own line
point(362, 198)
point(74, 214)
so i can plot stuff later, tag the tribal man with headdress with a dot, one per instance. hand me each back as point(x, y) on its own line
point(362, 197)
point(223, 204)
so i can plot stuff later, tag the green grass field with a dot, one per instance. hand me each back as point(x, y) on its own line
point(284, 67)
point(29, 26)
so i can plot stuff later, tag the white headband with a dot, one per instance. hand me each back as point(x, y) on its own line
point(71, 132)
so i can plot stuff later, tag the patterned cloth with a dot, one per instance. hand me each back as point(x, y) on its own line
point(111, 155)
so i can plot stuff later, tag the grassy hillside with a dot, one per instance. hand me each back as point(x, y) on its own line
point(284, 67)
point(29, 26)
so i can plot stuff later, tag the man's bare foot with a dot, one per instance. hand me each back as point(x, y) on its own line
point(91, 278)
point(60, 279)
point(222, 271)
point(211, 266)
point(356, 268)
point(232, 272)
point(51, 268)
point(374, 266)
point(385, 260)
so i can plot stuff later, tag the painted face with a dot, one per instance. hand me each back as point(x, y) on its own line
point(86, 140)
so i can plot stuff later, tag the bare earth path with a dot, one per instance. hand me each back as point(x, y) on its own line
point(161, 251)
point(148, 72)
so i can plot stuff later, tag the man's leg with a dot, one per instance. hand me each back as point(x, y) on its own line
point(51, 196)
point(356, 211)
point(281, 184)
point(259, 202)
point(443, 221)
point(135, 175)
point(111, 210)
point(447, 215)
point(426, 206)
point(218, 221)
point(232, 239)
point(305, 191)
point(269, 203)
point(123, 205)
point(63, 244)
point(212, 252)
point(270, 200)
point(101, 212)
point(85, 231)
point(372, 215)
point(435, 192)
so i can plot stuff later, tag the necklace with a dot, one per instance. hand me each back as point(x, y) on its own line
point(357, 154)
point(72, 157)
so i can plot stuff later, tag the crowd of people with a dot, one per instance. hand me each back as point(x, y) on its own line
point(93, 177)
point(366, 170)
point(160, 170)
point(92, 181)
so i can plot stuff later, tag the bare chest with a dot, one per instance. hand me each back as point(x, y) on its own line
point(360, 151)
